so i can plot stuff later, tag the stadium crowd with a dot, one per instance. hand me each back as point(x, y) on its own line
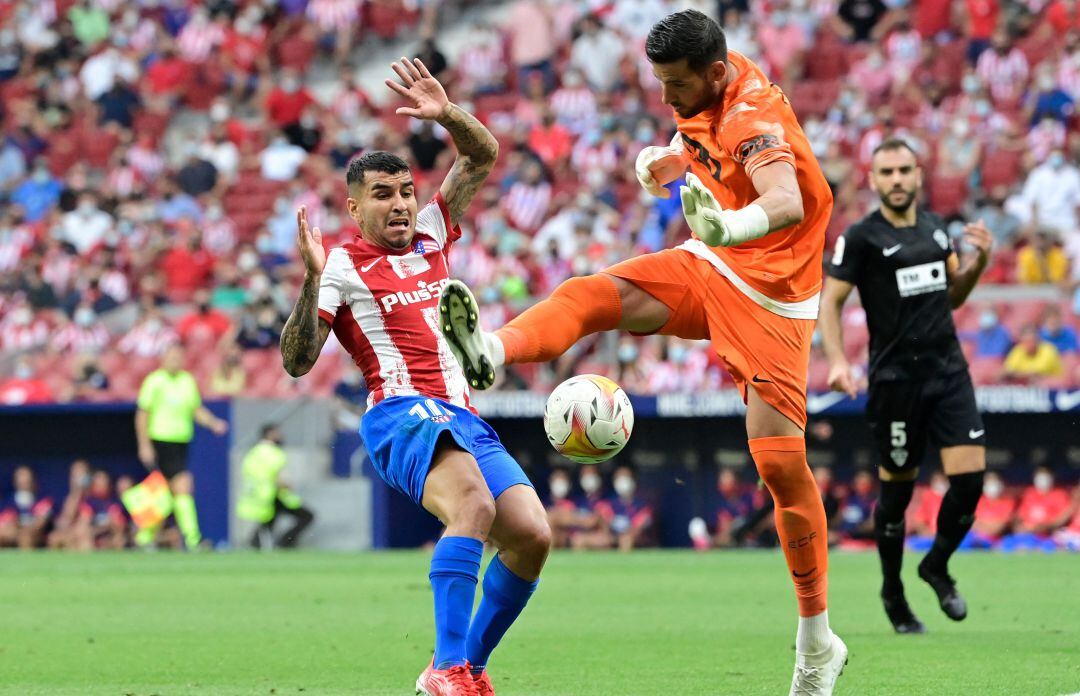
point(590, 511)
point(154, 153)
point(1039, 514)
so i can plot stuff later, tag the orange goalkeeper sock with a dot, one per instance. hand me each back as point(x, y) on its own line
point(578, 307)
point(800, 517)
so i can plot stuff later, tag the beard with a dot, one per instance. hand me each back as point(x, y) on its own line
point(898, 208)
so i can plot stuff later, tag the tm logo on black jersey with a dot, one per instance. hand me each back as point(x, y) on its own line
point(921, 279)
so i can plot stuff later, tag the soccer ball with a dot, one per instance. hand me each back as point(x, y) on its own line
point(588, 419)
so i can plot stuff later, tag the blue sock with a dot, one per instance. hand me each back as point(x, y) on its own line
point(455, 567)
point(505, 595)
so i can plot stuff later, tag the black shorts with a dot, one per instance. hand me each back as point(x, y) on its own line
point(904, 414)
point(171, 457)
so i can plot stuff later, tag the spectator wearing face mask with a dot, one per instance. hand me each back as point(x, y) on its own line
point(25, 385)
point(627, 514)
point(561, 510)
point(287, 100)
point(991, 339)
point(149, 338)
point(23, 330)
point(281, 160)
point(993, 516)
point(591, 529)
point(204, 325)
point(1044, 508)
point(25, 517)
point(1052, 193)
point(85, 333)
point(1047, 99)
point(574, 104)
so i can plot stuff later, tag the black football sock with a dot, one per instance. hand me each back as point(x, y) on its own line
point(889, 532)
point(955, 518)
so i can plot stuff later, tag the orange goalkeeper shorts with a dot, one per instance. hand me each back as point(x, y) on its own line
point(759, 348)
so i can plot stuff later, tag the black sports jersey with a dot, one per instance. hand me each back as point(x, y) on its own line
point(902, 281)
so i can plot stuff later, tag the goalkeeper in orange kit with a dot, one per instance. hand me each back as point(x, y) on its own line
point(748, 281)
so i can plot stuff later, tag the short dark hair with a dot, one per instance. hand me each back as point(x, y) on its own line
point(268, 428)
point(890, 144)
point(374, 161)
point(688, 34)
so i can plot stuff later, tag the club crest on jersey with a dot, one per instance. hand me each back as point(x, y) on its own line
point(409, 265)
point(899, 456)
point(418, 247)
point(425, 292)
point(941, 238)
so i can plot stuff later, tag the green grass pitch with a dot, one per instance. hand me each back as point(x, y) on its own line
point(601, 625)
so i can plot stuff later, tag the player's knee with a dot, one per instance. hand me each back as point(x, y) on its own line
point(536, 542)
point(967, 489)
point(787, 483)
point(893, 501)
point(476, 510)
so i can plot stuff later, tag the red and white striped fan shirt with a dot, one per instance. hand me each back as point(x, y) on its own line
point(334, 15)
point(1005, 75)
point(383, 307)
point(80, 339)
point(198, 39)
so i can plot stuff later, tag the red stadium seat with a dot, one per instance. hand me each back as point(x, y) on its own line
point(986, 371)
point(948, 194)
point(1001, 168)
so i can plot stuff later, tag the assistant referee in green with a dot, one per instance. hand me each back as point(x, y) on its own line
point(169, 405)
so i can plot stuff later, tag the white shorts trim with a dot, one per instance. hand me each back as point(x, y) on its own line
point(806, 309)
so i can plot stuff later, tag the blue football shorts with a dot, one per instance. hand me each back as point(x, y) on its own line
point(401, 432)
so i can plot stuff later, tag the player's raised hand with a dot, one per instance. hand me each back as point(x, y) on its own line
point(703, 212)
point(842, 379)
point(424, 92)
point(977, 235)
point(656, 166)
point(309, 242)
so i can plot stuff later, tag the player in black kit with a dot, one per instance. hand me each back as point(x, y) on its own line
point(909, 280)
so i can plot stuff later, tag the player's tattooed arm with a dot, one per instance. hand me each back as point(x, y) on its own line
point(477, 151)
point(304, 334)
point(476, 146)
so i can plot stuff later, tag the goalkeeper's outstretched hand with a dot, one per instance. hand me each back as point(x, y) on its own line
point(656, 166)
point(716, 226)
point(703, 212)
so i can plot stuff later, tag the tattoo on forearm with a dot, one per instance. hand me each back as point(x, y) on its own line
point(300, 340)
point(477, 152)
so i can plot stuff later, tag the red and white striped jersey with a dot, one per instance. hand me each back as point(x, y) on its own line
point(334, 15)
point(1005, 75)
point(383, 307)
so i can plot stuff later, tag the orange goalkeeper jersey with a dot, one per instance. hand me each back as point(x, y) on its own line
point(754, 125)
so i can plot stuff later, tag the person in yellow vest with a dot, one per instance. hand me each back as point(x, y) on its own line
point(169, 406)
point(264, 496)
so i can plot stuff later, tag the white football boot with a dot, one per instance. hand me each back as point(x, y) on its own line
point(816, 675)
